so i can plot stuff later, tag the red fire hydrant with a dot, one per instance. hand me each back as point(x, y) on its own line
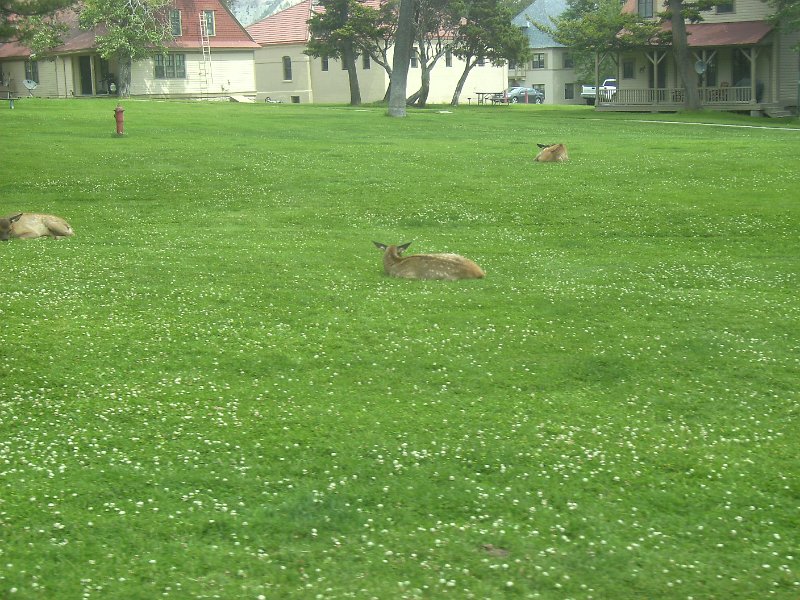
point(119, 118)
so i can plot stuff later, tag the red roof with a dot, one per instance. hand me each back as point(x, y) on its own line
point(739, 33)
point(14, 50)
point(288, 26)
point(229, 32)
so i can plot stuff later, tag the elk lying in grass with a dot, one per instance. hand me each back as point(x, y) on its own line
point(33, 225)
point(427, 266)
point(552, 153)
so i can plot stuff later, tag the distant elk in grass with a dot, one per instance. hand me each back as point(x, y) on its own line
point(552, 153)
point(427, 266)
point(33, 225)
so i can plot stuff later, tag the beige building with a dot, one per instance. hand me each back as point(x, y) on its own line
point(550, 68)
point(211, 55)
point(284, 73)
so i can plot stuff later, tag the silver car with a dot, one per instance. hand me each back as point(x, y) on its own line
point(521, 95)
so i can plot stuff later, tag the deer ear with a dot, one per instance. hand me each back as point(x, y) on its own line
point(404, 247)
point(380, 246)
point(15, 217)
point(542, 145)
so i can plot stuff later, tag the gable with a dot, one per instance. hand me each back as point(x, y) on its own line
point(229, 33)
point(288, 26)
point(541, 11)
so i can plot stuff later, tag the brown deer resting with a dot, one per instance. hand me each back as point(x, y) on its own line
point(552, 153)
point(33, 225)
point(427, 266)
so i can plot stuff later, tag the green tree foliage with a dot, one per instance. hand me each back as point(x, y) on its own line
point(516, 6)
point(46, 33)
point(595, 30)
point(134, 29)
point(787, 15)
point(486, 32)
point(20, 19)
point(435, 24)
point(376, 32)
point(342, 30)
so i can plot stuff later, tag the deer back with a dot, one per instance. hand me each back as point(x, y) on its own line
point(552, 153)
point(34, 225)
point(428, 266)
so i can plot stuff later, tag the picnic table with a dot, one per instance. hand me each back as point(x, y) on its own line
point(7, 94)
point(485, 97)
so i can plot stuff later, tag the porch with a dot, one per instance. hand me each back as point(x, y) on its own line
point(670, 99)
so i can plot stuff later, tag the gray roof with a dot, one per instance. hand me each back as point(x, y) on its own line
point(540, 11)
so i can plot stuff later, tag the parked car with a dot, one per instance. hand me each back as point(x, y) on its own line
point(606, 92)
point(521, 95)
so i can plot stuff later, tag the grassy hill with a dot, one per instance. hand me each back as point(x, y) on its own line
point(212, 390)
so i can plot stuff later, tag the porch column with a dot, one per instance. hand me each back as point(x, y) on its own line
point(91, 70)
point(773, 84)
point(753, 56)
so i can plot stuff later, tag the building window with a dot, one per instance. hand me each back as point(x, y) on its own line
point(726, 8)
point(481, 62)
point(324, 60)
point(32, 70)
point(287, 68)
point(414, 59)
point(569, 91)
point(366, 64)
point(569, 62)
point(170, 66)
point(538, 61)
point(208, 19)
point(175, 23)
point(628, 69)
point(540, 87)
point(448, 58)
point(645, 8)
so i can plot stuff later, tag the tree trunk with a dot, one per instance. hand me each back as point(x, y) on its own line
point(468, 64)
point(680, 45)
point(124, 79)
point(401, 59)
point(349, 57)
point(425, 86)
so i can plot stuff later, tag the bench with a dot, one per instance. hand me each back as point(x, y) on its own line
point(6, 93)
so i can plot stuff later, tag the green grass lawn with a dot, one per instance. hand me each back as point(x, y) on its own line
point(212, 390)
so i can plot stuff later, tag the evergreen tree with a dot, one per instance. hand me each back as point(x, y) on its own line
point(18, 18)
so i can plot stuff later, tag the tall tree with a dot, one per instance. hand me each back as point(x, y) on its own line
point(401, 59)
point(134, 30)
point(17, 22)
point(486, 32)
point(376, 34)
point(435, 24)
point(335, 33)
point(683, 62)
point(678, 12)
point(787, 15)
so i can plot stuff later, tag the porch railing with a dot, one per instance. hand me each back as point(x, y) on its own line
point(709, 96)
